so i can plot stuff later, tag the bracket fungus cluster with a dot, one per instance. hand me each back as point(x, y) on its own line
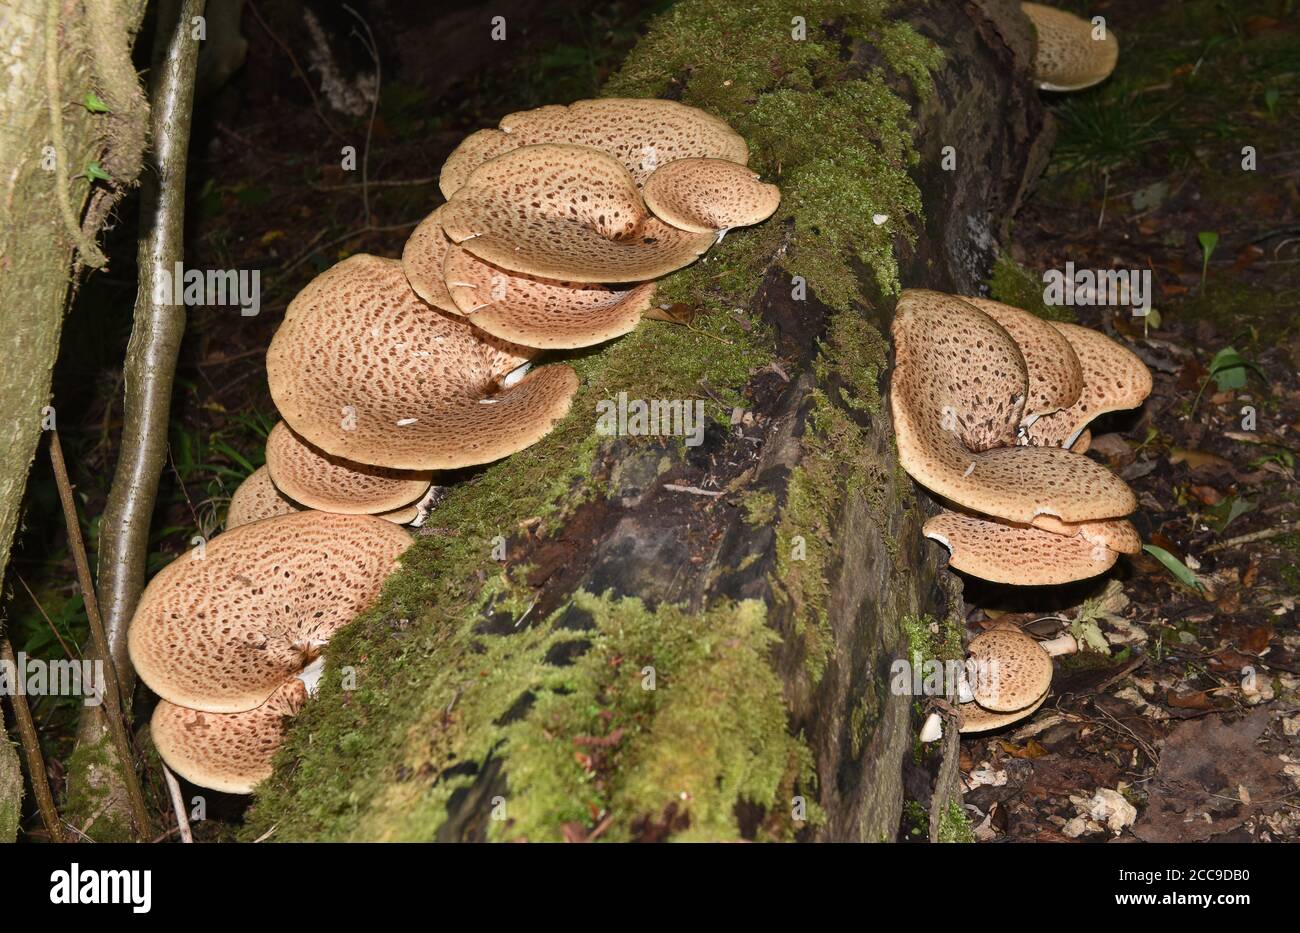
point(387, 370)
point(558, 221)
point(227, 635)
point(1072, 53)
point(987, 401)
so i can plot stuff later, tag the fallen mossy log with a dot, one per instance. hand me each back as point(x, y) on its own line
point(690, 636)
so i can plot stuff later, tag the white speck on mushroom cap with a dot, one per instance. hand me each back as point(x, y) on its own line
point(324, 359)
point(223, 632)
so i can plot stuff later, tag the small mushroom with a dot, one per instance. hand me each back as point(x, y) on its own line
point(220, 628)
point(365, 370)
point(227, 752)
point(1009, 668)
point(709, 195)
point(642, 133)
point(958, 389)
point(1019, 554)
point(422, 261)
point(538, 312)
point(322, 481)
point(974, 718)
point(1069, 56)
point(257, 498)
point(1116, 534)
point(1055, 375)
point(1114, 378)
point(568, 213)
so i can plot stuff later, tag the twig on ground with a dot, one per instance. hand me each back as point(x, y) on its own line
point(1263, 535)
point(112, 695)
point(178, 804)
point(31, 743)
point(315, 101)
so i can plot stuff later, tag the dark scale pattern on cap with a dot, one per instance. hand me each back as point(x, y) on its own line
point(422, 260)
point(257, 498)
point(1055, 376)
point(1114, 378)
point(220, 632)
point(1018, 554)
point(570, 213)
point(1012, 670)
point(642, 134)
point(708, 195)
point(319, 480)
point(365, 370)
point(538, 312)
point(949, 356)
point(227, 752)
point(1068, 57)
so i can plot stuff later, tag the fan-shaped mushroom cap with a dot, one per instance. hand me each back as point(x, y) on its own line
point(1018, 554)
point(422, 260)
point(227, 752)
point(365, 370)
point(539, 312)
point(643, 134)
point(220, 629)
point(975, 718)
point(319, 480)
point(570, 213)
point(708, 195)
point(1055, 376)
point(1068, 57)
point(1114, 378)
point(1116, 534)
point(257, 498)
point(1011, 670)
point(958, 387)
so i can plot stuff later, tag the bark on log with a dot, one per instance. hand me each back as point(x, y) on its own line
point(817, 464)
point(36, 242)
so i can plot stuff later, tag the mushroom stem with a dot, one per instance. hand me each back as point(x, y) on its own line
point(1065, 643)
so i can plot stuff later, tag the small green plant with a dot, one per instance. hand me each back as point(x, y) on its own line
point(1271, 98)
point(1208, 240)
point(1228, 370)
point(1180, 571)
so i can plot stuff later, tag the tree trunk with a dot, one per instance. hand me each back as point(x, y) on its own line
point(11, 787)
point(704, 647)
point(95, 775)
point(42, 198)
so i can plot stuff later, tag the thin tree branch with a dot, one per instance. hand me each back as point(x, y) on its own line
point(178, 805)
point(32, 751)
point(114, 706)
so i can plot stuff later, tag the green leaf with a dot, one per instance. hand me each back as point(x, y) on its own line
point(95, 173)
point(94, 104)
point(1174, 566)
point(1228, 368)
point(1226, 512)
point(1208, 240)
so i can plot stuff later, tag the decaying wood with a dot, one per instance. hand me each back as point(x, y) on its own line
point(984, 106)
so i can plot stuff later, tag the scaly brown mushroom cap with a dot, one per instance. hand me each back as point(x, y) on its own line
point(1018, 554)
point(257, 498)
point(569, 213)
point(1011, 670)
point(975, 718)
point(1068, 57)
point(1114, 378)
point(958, 387)
point(422, 260)
point(539, 312)
point(365, 370)
point(220, 629)
point(319, 480)
point(642, 134)
point(227, 752)
point(1055, 375)
point(709, 195)
point(1116, 534)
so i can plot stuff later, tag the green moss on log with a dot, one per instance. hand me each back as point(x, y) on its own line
point(435, 696)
